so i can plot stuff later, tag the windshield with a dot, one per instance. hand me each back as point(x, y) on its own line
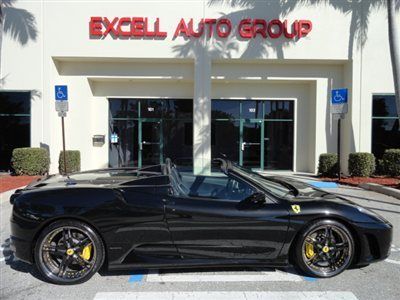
point(97, 177)
point(273, 187)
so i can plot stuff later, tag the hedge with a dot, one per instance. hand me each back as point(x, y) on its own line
point(30, 161)
point(361, 164)
point(73, 158)
point(328, 165)
point(380, 167)
point(391, 162)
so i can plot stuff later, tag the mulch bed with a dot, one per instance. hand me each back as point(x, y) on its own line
point(8, 182)
point(393, 182)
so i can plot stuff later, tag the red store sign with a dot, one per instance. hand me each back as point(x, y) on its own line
point(140, 27)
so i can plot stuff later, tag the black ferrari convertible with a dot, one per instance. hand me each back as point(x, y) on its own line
point(158, 217)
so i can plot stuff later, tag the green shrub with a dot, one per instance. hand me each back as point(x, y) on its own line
point(328, 164)
point(73, 158)
point(391, 162)
point(361, 164)
point(30, 161)
point(380, 167)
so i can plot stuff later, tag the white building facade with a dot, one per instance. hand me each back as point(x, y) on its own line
point(192, 79)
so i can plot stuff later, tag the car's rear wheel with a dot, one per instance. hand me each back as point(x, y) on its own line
point(324, 249)
point(68, 252)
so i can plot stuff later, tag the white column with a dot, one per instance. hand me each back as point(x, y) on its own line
point(202, 112)
point(351, 126)
point(321, 119)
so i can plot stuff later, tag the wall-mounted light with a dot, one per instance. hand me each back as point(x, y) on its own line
point(98, 140)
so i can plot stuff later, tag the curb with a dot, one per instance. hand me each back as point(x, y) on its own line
point(381, 189)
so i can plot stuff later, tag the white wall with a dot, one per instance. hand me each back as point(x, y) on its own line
point(330, 56)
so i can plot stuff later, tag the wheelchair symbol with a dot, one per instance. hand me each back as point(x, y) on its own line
point(337, 98)
point(60, 94)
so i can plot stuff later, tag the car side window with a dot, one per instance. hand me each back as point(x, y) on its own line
point(221, 187)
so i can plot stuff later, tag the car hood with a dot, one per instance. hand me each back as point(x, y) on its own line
point(307, 192)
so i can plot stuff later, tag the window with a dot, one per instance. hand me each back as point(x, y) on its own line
point(221, 187)
point(225, 109)
point(252, 109)
point(150, 130)
point(124, 108)
point(151, 108)
point(256, 134)
point(15, 124)
point(385, 124)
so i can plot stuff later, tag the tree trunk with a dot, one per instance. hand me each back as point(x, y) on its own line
point(394, 44)
point(1, 39)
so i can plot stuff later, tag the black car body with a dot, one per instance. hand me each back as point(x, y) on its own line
point(157, 217)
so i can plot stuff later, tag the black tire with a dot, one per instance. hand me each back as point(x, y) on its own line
point(68, 252)
point(334, 249)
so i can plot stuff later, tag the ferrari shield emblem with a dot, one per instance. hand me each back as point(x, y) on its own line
point(296, 208)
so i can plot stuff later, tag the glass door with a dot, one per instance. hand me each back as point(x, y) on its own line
point(278, 151)
point(150, 143)
point(251, 144)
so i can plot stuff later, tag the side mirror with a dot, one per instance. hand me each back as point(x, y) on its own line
point(254, 201)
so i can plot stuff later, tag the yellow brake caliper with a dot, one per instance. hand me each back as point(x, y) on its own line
point(86, 252)
point(309, 250)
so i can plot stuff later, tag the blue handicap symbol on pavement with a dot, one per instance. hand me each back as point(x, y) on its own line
point(339, 96)
point(61, 92)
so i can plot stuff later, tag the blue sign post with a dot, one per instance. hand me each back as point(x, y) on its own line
point(339, 108)
point(61, 96)
point(339, 102)
point(61, 92)
point(339, 96)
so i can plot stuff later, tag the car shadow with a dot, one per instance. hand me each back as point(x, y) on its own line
point(24, 267)
point(146, 271)
point(17, 264)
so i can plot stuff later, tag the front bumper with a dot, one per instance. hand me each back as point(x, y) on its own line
point(22, 237)
point(374, 241)
point(21, 249)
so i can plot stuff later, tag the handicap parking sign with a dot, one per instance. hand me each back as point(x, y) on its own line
point(61, 92)
point(339, 96)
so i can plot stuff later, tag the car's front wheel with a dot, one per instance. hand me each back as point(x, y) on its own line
point(68, 252)
point(324, 248)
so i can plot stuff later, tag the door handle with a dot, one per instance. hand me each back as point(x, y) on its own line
point(149, 143)
point(249, 144)
point(253, 144)
point(166, 201)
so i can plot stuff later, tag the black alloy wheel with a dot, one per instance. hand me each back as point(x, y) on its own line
point(324, 249)
point(68, 252)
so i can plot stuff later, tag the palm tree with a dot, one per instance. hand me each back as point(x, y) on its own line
point(358, 9)
point(19, 23)
point(359, 29)
point(394, 48)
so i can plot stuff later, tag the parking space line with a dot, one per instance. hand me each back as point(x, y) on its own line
point(394, 248)
point(323, 184)
point(392, 261)
point(135, 278)
point(212, 277)
point(4, 258)
point(295, 295)
point(310, 279)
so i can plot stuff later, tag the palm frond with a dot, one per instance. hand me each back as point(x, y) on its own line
point(20, 24)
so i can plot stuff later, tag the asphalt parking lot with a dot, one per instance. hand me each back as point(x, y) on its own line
point(20, 281)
